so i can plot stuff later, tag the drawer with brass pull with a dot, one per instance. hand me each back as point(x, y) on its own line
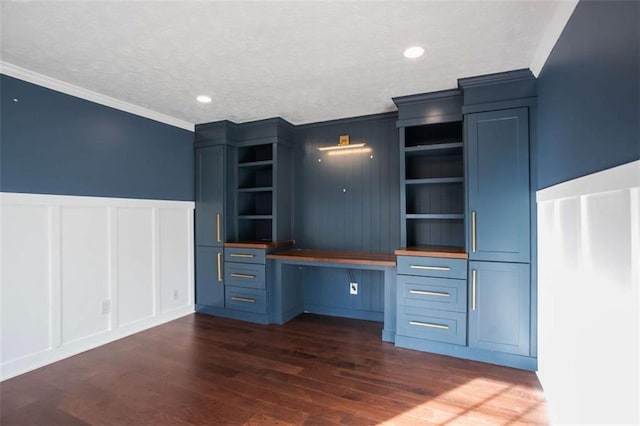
point(441, 326)
point(432, 293)
point(245, 299)
point(244, 255)
point(432, 267)
point(248, 275)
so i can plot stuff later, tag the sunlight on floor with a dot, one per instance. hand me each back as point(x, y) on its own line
point(480, 401)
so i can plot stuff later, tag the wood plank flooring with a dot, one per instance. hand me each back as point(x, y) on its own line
point(313, 370)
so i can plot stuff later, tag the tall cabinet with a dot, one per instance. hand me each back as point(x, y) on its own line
point(465, 285)
point(243, 184)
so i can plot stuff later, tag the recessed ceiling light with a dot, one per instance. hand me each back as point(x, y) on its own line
point(203, 99)
point(413, 52)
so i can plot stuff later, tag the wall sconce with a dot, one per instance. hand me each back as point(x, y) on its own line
point(345, 146)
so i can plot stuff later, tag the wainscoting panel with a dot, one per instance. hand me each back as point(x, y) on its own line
point(78, 272)
point(588, 297)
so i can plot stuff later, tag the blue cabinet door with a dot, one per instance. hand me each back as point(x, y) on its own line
point(210, 172)
point(499, 307)
point(498, 185)
point(209, 281)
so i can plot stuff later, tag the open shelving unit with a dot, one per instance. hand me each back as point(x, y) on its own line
point(433, 185)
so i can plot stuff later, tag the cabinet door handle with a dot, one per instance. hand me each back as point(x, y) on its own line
point(218, 236)
point(243, 299)
point(430, 325)
point(430, 293)
point(431, 268)
point(473, 290)
point(473, 231)
point(219, 256)
point(248, 276)
point(248, 256)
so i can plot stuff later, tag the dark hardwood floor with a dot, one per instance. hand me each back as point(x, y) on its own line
point(312, 370)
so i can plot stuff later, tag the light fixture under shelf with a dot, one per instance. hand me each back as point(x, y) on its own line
point(344, 144)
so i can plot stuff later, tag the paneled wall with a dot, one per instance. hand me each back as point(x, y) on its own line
point(347, 202)
point(589, 298)
point(78, 272)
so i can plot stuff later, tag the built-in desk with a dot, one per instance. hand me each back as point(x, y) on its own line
point(287, 297)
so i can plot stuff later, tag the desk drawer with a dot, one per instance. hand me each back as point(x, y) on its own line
point(244, 255)
point(248, 275)
point(440, 326)
point(245, 299)
point(432, 267)
point(432, 293)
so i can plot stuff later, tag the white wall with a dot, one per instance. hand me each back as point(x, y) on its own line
point(78, 272)
point(588, 297)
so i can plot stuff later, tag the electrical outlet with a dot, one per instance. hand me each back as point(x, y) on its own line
point(106, 307)
point(353, 288)
point(176, 295)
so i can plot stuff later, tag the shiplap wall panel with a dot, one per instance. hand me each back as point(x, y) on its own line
point(26, 292)
point(78, 272)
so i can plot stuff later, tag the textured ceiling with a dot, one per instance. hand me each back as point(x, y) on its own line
point(303, 61)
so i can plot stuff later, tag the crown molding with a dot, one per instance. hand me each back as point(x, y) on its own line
point(80, 92)
point(552, 35)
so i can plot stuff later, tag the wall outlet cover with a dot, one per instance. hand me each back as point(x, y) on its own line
point(353, 288)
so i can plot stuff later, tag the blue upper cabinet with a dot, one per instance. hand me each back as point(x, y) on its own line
point(209, 215)
point(499, 307)
point(498, 185)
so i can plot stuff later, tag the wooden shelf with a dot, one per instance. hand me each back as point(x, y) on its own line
point(433, 147)
point(434, 180)
point(433, 251)
point(251, 164)
point(256, 189)
point(435, 216)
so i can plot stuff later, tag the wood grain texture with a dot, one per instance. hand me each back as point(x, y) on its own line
point(260, 245)
point(312, 370)
point(334, 256)
point(433, 251)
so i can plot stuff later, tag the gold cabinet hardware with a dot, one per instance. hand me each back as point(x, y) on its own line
point(431, 268)
point(218, 236)
point(429, 293)
point(473, 289)
point(219, 256)
point(248, 276)
point(473, 231)
point(247, 256)
point(243, 299)
point(429, 325)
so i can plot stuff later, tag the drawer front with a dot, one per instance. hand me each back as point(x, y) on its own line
point(432, 293)
point(244, 255)
point(248, 275)
point(440, 326)
point(245, 299)
point(432, 267)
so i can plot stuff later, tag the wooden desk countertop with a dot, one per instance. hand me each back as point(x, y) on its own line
point(333, 256)
point(260, 244)
point(433, 251)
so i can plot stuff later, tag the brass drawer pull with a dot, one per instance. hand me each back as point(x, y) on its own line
point(428, 324)
point(243, 299)
point(247, 256)
point(431, 268)
point(247, 276)
point(219, 256)
point(430, 293)
point(473, 290)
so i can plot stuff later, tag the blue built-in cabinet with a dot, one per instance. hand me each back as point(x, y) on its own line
point(498, 185)
point(456, 194)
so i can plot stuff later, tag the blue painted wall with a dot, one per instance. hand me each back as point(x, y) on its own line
point(53, 143)
point(364, 217)
point(589, 93)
